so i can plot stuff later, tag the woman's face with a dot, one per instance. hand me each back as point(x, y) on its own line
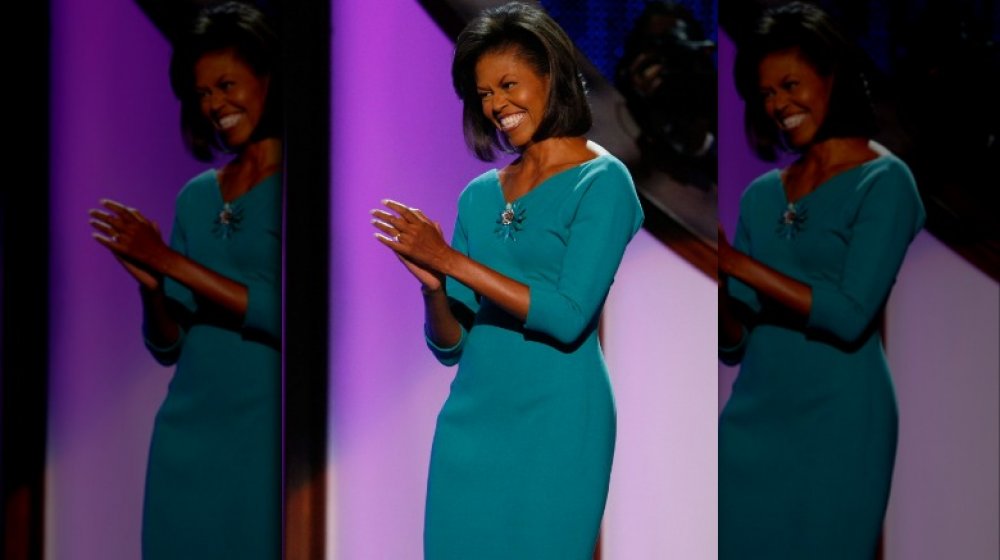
point(794, 95)
point(231, 96)
point(513, 95)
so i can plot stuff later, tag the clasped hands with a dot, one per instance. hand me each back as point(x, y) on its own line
point(133, 239)
point(416, 240)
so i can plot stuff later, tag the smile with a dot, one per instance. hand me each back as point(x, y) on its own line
point(511, 121)
point(793, 121)
point(229, 121)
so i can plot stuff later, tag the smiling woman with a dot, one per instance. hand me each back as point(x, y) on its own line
point(807, 439)
point(231, 95)
point(523, 445)
point(513, 95)
point(211, 301)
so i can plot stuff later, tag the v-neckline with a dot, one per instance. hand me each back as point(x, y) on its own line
point(830, 179)
point(503, 197)
point(254, 187)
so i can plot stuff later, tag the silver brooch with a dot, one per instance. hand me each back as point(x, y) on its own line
point(228, 221)
point(791, 221)
point(510, 221)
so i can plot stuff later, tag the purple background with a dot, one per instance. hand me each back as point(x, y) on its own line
point(114, 134)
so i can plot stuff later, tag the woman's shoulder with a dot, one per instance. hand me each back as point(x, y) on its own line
point(605, 170)
point(478, 191)
point(889, 165)
point(764, 181)
point(887, 183)
point(605, 180)
point(887, 176)
point(486, 181)
point(606, 164)
point(198, 186)
point(763, 185)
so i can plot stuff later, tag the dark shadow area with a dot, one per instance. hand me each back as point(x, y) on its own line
point(933, 77)
point(24, 296)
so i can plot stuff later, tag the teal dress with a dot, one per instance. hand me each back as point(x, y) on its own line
point(213, 482)
point(522, 450)
point(808, 438)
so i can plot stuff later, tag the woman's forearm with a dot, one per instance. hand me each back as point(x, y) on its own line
point(788, 292)
point(205, 282)
point(442, 327)
point(161, 328)
point(509, 294)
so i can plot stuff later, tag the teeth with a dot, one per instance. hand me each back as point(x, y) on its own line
point(229, 121)
point(510, 121)
point(792, 121)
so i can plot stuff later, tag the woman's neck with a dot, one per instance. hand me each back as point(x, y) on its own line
point(555, 152)
point(835, 153)
point(262, 156)
point(251, 165)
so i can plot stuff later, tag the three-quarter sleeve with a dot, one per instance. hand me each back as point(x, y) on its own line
point(607, 217)
point(180, 295)
point(888, 218)
point(731, 355)
point(461, 299)
point(263, 312)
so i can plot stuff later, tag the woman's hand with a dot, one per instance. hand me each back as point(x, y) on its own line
point(430, 280)
point(133, 239)
point(416, 240)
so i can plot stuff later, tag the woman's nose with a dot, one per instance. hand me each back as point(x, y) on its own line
point(777, 103)
point(215, 100)
point(499, 101)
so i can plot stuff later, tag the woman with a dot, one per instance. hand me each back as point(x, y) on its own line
point(808, 437)
point(523, 445)
point(211, 302)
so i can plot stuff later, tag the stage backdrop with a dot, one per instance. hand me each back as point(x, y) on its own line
point(114, 134)
point(397, 133)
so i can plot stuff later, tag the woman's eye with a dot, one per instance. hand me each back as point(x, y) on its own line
point(508, 85)
point(483, 95)
point(225, 85)
point(789, 86)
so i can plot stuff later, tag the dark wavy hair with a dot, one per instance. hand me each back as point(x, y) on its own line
point(230, 26)
point(816, 37)
point(540, 42)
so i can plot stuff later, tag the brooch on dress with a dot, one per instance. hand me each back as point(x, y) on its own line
point(791, 221)
point(228, 221)
point(509, 222)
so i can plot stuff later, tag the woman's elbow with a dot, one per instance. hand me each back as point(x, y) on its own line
point(849, 326)
point(571, 329)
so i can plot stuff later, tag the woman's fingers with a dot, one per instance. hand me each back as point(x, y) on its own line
point(383, 216)
point(387, 228)
point(124, 213)
point(102, 227)
point(410, 233)
point(389, 242)
point(404, 211)
point(120, 210)
point(105, 217)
